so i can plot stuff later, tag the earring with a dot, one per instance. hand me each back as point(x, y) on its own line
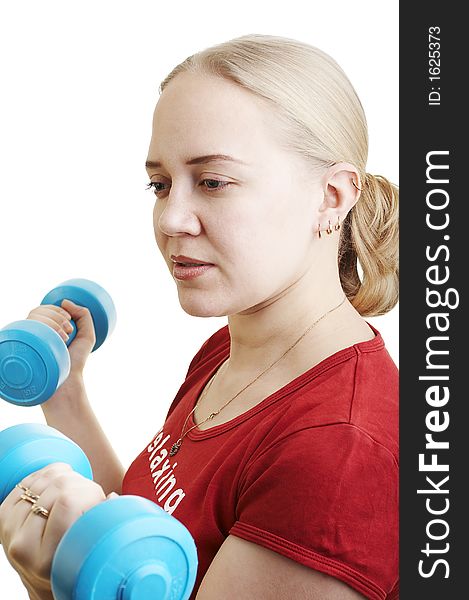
point(354, 184)
point(319, 230)
point(329, 230)
point(337, 225)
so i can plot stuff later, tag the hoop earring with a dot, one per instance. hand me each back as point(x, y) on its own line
point(319, 230)
point(329, 230)
point(337, 225)
point(354, 184)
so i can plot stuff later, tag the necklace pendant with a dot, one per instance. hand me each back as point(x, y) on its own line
point(175, 448)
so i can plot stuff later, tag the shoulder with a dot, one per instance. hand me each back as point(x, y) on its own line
point(350, 400)
point(332, 452)
point(374, 407)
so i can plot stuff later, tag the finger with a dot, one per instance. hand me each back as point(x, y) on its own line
point(54, 325)
point(82, 317)
point(66, 499)
point(13, 513)
point(46, 484)
point(59, 315)
point(14, 510)
point(52, 308)
point(62, 318)
point(38, 481)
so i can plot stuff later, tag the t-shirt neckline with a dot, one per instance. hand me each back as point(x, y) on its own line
point(374, 344)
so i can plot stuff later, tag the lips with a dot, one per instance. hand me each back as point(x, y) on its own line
point(188, 260)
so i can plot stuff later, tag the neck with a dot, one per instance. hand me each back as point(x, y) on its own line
point(264, 332)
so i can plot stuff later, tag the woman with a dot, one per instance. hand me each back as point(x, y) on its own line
point(279, 452)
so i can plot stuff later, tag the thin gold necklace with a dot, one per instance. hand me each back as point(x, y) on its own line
point(175, 447)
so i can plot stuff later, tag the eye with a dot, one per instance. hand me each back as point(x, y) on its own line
point(155, 185)
point(211, 185)
point(222, 184)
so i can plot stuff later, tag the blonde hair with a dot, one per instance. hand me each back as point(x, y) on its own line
point(321, 119)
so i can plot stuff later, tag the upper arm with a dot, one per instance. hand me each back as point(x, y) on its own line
point(242, 570)
point(327, 499)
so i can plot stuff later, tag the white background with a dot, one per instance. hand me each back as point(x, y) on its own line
point(79, 84)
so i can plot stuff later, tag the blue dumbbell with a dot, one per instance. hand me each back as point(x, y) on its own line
point(126, 548)
point(34, 360)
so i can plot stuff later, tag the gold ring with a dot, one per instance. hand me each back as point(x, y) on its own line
point(27, 492)
point(28, 498)
point(40, 510)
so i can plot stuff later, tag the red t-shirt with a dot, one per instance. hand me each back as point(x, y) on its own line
point(311, 472)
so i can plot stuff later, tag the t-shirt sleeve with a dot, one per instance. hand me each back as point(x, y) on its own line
point(326, 497)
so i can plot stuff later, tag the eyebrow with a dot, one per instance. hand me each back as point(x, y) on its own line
point(199, 160)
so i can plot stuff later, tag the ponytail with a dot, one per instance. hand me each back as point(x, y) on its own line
point(370, 234)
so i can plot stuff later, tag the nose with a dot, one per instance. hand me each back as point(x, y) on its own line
point(176, 214)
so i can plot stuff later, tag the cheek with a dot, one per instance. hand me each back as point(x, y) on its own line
point(256, 252)
point(160, 242)
point(274, 250)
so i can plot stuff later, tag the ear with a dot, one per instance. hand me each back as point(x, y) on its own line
point(340, 193)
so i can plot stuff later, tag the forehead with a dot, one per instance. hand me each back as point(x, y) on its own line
point(190, 97)
point(199, 114)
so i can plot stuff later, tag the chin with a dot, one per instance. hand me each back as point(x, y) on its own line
point(197, 313)
point(201, 308)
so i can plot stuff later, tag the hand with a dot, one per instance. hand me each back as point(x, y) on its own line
point(30, 540)
point(59, 319)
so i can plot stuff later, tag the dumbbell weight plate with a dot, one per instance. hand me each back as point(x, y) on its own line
point(126, 548)
point(34, 362)
point(28, 447)
point(87, 293)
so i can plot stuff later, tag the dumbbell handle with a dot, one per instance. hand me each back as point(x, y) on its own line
point(86, 293)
